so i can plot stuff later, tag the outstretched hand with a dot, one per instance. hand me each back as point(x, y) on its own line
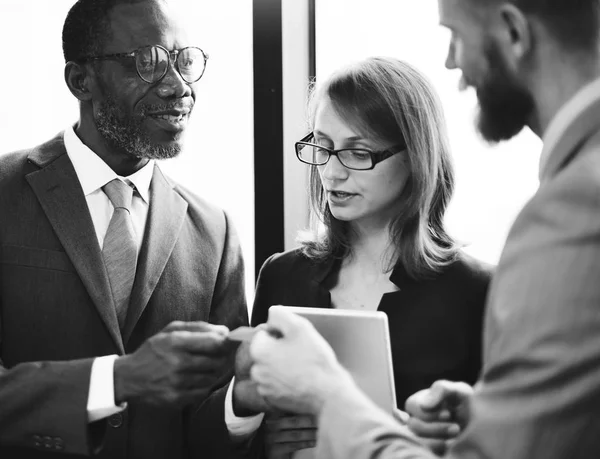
point(440, 413)
point(180, 364)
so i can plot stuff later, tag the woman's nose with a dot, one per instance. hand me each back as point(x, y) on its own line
point(334, 169)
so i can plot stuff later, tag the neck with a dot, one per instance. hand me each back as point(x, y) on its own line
point(371, 247)
point(556, 83)
point(120, 162)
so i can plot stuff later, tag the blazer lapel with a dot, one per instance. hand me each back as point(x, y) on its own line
point(165, 218)
point(559, 149)
point(58, 190)
point(317, 294)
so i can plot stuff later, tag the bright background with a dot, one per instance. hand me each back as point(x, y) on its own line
point(492, 182)
point(217, 162)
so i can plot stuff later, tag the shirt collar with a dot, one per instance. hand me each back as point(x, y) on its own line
point(566, 116)
point(93, 173)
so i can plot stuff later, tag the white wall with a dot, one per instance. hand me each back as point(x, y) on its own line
point(218, 159)
point(493, 183)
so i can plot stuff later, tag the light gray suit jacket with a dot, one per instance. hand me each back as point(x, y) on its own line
point(539, 396)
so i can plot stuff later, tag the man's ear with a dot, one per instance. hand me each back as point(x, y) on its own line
point(516, 36)
point(78, 80)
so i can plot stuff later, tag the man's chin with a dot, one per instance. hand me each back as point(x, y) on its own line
point(494, 128)
point(161, 151)
point(494, 133)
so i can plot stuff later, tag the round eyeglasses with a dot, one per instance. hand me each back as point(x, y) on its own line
point(152, 62)
point(360, 159)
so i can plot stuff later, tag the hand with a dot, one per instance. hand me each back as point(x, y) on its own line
point(246, 399)
point(440, 413)
point(285, 434)
point(178, 365)
point(297, 371)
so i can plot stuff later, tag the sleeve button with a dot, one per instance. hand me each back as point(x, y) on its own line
point(116, 420)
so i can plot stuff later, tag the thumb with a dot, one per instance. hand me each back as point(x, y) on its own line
point(435, 397)
point(196, 326)
point(284, 321)
point(262, 345)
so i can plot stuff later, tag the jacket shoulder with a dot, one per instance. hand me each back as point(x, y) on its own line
point(471, 269)
point(283, 264)
point(13, 163)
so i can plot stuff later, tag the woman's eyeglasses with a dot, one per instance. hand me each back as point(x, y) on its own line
point(360, 159)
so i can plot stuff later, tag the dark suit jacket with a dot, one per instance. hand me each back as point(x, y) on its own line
point(435, 325)
point(57, 312)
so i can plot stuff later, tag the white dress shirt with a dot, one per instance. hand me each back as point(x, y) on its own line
point(93, 174)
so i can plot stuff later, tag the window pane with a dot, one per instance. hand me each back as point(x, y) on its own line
point(217, 162)
point(493, 183)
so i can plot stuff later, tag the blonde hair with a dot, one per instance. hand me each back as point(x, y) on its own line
point(389, 100)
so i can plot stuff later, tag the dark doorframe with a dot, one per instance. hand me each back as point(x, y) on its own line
point(268, 125)
point(268, 131)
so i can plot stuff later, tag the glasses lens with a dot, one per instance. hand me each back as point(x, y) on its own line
point(191, 63)
point(312, 154)
point(355, 159)
point(152, 63)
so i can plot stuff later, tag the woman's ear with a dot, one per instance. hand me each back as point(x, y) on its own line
point(78, 80)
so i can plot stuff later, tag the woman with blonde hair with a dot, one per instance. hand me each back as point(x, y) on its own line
point(381, 178)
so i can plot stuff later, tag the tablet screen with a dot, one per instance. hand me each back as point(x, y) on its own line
point(361, 342)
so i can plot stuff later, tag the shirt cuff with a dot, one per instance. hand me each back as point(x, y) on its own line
point(101, 397)
point(240, 428)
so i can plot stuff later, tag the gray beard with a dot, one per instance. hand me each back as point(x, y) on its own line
point(124, 133)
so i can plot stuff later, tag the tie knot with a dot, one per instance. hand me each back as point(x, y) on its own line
point(119, 193)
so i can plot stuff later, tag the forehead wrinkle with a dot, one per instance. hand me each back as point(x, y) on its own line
point(144, 23)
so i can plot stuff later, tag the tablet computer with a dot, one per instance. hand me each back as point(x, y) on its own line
point(361, 341)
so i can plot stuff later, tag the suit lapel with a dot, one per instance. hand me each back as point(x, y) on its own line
point(58, 190)
point(563, 144)
point(316, 293)
point(165, 218)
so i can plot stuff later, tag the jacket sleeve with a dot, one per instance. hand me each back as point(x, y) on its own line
point(539, 394)
point(208, 435)
point(351, 426)
point(263, 293)
point(477, 308)
point(43, 405)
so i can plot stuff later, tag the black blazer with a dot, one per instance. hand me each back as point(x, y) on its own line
point(435, 325)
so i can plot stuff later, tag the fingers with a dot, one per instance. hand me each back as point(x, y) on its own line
point(285, 450)
point(203, 364)
point(401, 416)
point(433, 430)
point(285, 321)
point(195, 342)
point(439, 447)
point(449, 393)
point(434, 398)
point(425, 406)
point(195, 326)
point(292, 436)
point(291, 422)
point(287, 434)
point(260, 345)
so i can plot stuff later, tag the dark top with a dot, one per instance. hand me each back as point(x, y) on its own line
point(435, 325)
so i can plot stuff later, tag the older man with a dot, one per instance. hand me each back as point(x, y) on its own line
point(537, 64)
point(117, 286)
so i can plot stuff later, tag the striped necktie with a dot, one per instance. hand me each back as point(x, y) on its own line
point(120, 249)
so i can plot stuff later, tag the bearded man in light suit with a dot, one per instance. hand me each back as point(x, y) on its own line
point(114, 311)
point(533, 63)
